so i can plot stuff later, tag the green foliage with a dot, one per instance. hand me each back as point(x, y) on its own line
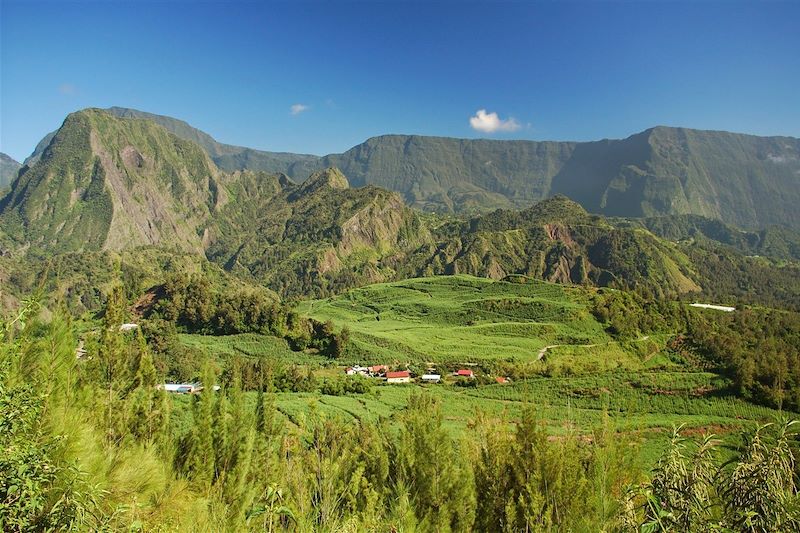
point(456, 319)
point(428, 465)
point(692, 489)
point(39, 488)
point(759, 349)
point(235, 461)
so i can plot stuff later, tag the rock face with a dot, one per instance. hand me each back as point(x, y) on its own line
point(107, 184)
point(744, 180)
point(748, 181)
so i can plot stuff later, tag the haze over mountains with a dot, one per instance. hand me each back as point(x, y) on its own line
point(744, 180)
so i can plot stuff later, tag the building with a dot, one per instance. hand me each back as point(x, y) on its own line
point(502, 380)
point(724, 308)
point(431, 378)
point(403, 376)
point(183, 388)
point(377, 370)
point(354, 370)
point(465, 373)
point(128, 327)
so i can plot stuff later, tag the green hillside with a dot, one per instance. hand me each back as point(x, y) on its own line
point(542, 335)
point(320, 236)
point(776, 241)
point(460, 318)
point(105, 183)
point(744, 180)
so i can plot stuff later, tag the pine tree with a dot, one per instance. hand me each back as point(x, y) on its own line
point(144, 399)
point(203, 456)
point(431, 465)
point(112, 361)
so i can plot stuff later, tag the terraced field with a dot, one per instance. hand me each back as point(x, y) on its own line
point(461, 319)
point(583, 377)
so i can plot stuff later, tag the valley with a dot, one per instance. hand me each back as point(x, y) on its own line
point(498, 329)
point(560, 323)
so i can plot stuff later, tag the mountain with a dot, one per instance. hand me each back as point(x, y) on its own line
point(557, 240)
point(8, 170)
point(747, 181)
point(776, 242)
point(105, 183)
point(744, 180)
point(315, 238)
point(227, 157)
point(108, 184)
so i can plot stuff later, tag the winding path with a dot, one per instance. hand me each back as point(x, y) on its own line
point(543, 351)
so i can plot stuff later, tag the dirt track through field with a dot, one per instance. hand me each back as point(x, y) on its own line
point(543, 351)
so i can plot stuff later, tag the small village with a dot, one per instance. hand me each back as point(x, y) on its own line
point(382, 372)
point(379, 373)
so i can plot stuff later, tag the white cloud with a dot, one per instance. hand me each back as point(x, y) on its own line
point(490, 122)
point(296, 109)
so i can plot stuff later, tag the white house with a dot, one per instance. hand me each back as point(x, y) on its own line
point(431, 378)
point(183, 388)
point(128, 327)
point(353, 370)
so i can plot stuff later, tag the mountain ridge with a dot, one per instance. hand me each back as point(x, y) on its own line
point(746, 180)
point(110, 184)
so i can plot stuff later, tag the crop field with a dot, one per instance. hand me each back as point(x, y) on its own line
point(635, 401)
point(585, 376)
point(460, 319)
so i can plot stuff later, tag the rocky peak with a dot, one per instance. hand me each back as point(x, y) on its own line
point(330, 178)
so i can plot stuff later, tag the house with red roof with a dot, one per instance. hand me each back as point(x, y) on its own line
point(377, 370)
point(465, 373)
point(402, 376)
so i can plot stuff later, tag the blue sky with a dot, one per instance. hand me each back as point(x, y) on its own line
point(549, 70)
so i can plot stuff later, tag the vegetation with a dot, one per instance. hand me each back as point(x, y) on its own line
point(118, 184)
point(537, 329)
point(585, 352)
point(94, 444)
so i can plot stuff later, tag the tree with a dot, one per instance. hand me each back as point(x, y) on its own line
point(430, 466)
point(202, 463)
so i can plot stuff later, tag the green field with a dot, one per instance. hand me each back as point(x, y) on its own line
point(461, 319)
point(583, 376)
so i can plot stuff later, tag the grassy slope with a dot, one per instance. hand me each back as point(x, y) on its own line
point(461, 318)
